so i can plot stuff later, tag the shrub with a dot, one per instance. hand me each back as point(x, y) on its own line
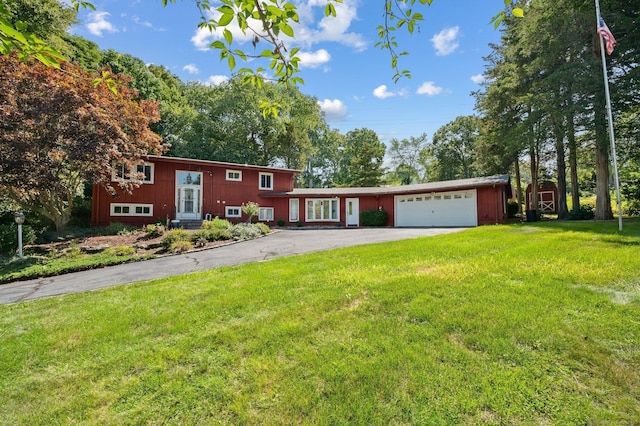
point(374, 217)
point(174, 236)
point(73, 252)
point(251, 209)
point(200, 237)
point(180, 246)
point(218, 234)
point(216, 223)
point(117, 228)
point(281, 222)
point(263, 227)
point(299, 224)
point(154, 231)
point(584, 212)
point(512, 208)
point(9, 237)
point(245, 231)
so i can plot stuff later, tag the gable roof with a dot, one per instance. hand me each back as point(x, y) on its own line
point(447, 185)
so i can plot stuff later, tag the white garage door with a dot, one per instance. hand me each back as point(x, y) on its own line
point(457, 208)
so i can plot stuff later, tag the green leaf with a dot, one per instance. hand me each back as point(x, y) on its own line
point(217, 45)
point(232, 62)
point(226, 18)
point(518, 12)
point(228, 37)
point(287, 29)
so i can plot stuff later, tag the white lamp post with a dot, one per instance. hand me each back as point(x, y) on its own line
point(19, 216)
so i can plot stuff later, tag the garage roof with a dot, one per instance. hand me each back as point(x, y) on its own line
point(447, 185)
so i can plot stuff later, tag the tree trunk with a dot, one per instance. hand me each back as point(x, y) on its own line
point(603, 196)
point(562, 172)
point(573, 162)
point(518, 186)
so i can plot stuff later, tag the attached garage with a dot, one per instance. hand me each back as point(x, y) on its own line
point(454, 208)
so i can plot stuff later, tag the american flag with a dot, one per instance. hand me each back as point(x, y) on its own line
point(604, 31)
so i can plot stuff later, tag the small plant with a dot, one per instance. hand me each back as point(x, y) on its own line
point(218, 234)
point(73, 252)
point(180, 246)
point(281, 222)
point(154, 231)
point(116, 228)
point(216, 223)
point(245, 231)
point(263, 227)
point(299, 224)
point(174, 236)
point(9, 237)
point(200, 238)
point(251, 209)
point(120, 251)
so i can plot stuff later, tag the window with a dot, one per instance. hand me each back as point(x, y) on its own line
point(294, 210)
point(233, 211)
point(266, 181)
point(131, 209)
point(143, 173)
point(457, 196)
point(323, 210)
point(447, 197)
point(265, 214)
point(234, 175)
point(418, 198)
point(437, 197)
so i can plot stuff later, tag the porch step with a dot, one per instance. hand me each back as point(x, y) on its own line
point(190, 224)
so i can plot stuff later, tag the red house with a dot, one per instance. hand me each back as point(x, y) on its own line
point(194, 190)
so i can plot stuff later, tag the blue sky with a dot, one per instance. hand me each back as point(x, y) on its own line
point(351, 78)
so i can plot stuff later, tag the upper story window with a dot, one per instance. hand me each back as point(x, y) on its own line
point(266, 181)
point(143, 173)
point(234, 175)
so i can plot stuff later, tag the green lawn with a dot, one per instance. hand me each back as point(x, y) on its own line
point(521, 324)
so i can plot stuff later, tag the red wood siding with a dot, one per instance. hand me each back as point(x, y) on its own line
point(491, 207)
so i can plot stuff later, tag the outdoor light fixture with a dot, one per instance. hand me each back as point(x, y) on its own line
point(19, 217)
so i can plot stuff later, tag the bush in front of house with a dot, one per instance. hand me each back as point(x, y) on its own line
point(245, 231)
point(216, 223)
point(512, 209)
point(154, 230)
point(374, 217)
point(9, 238)
point(174, 236)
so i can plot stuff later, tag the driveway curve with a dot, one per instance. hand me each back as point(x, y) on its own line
point(278, 244)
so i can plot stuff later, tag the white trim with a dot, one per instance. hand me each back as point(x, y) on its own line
point(130, 209)
point(352, 218)
point(334, 211)
point(233, 214)
point(265, 214)
point(294, 217)
point(118, 172)
point(260, 176)
point(236, 179)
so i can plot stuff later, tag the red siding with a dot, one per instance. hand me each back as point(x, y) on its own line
point(491, 208)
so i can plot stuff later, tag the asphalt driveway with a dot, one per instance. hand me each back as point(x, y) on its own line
point(278, 244)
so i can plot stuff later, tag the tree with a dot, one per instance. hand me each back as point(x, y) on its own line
point(362, 159)
point(454, 148)
point(58, 130)
point(410, 158)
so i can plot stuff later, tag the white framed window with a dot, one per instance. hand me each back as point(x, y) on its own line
point(119, 209)
point(323, 209)
point(294, 210)
point(265, 214)
point(123, 174)
point(233, 211)
point(266, 181)
point(235, 175)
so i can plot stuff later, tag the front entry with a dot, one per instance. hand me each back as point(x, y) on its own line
point(188, 195)
point(353, 211)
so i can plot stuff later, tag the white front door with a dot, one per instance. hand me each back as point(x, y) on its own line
point(188, 195)
point(353, 211)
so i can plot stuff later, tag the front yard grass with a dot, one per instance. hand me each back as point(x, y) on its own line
point(519, 324)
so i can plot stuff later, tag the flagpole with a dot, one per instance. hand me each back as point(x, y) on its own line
point(610, 117)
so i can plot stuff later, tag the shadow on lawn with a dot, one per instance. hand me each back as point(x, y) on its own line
point(630, 227)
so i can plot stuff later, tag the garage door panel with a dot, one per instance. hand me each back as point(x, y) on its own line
point(457, 208)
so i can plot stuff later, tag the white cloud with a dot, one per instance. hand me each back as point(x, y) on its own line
point(216, 80)
point(314, 59)
point(429, 88)
point(98, 23)
point(478, 78)
point(138, 21)
point(334, 110)
point(445, 41)
point(191, 69)
point(381, 92)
